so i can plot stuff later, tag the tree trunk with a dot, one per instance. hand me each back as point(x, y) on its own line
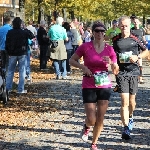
point(39, 11)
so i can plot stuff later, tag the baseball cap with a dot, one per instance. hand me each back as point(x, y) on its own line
point(133, 16)
point(114, 22)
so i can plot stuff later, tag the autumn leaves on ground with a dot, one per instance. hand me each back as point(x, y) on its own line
point(22, 108)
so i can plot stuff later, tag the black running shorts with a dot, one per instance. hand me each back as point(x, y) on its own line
point(92, 95)
point(127, 84)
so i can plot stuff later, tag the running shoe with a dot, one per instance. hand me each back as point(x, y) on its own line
point(126, 133)
point(130, 124)
point(94, 147)
point(85, 133)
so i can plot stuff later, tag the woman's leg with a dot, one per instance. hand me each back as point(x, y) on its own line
point(102, 106)
point(90, 111)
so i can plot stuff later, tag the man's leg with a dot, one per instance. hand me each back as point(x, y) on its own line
point(123, 84)
point(132, 103)
point(10, 73)
point(43, 58)
point(22, 72)
point(28, 66)
point(124, 111)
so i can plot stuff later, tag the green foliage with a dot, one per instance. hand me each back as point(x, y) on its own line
point(89, 9)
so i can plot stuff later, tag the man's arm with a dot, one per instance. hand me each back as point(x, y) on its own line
point(143, 54)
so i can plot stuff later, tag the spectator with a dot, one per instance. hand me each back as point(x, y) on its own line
point(76, 36)
point(58, 54)
point(31, 28)
point(16, 47)
point(87, 35)
point(68, 45)
point(3, 32)
point(43, 41)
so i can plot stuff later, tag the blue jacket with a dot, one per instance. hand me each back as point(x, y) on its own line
point(29, 44)
point(3, 32)
point(68, 43)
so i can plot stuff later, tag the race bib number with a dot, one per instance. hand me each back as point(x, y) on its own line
point(125, 57)
point(101, 78)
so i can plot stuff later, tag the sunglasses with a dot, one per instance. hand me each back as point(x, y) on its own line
point(97, 30)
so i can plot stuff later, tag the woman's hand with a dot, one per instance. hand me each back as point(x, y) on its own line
point(115, 68)
point(86, 71)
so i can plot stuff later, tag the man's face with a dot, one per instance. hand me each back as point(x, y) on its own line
point(115, 24)
point(75, 20)
point(136, 22)
point(124, 26)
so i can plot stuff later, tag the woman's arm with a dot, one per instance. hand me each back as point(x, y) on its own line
point(74, 62)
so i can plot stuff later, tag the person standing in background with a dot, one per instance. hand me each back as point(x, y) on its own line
point(31, 28)
point(16, 47)
point(3, 32)
point(68, 45)
point(58, 54)
point(43, 41)
point(87, 35)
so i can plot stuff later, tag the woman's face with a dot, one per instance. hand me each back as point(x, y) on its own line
point(99, 33)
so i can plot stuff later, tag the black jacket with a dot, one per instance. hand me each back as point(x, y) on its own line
point(16, 42)
point(42, 36)
point(30, 34)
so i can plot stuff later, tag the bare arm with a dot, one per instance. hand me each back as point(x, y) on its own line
point(74, 62)
point(144, 54)
point(115, 68)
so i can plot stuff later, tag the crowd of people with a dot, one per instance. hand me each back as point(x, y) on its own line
point(66, 44)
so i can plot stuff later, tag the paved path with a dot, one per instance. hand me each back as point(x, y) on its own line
point(59, 119)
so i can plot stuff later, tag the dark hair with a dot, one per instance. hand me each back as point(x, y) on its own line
point(98, 24)
point(133, 16)
point(66, 25)
point(114, 21)
point(7, 19)
point(17, 23)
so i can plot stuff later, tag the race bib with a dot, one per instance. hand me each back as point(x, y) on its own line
point(125, 57)
point(101, 78)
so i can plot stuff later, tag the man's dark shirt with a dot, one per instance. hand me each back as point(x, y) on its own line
point(139, 32)
point(127, 45)
point(17, 42)
point(42, 36)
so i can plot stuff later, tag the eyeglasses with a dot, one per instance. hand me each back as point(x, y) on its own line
point(97, 30)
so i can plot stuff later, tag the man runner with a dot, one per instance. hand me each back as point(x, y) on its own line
point(126, 47)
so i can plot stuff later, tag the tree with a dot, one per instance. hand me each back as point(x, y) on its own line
point(89, 9)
